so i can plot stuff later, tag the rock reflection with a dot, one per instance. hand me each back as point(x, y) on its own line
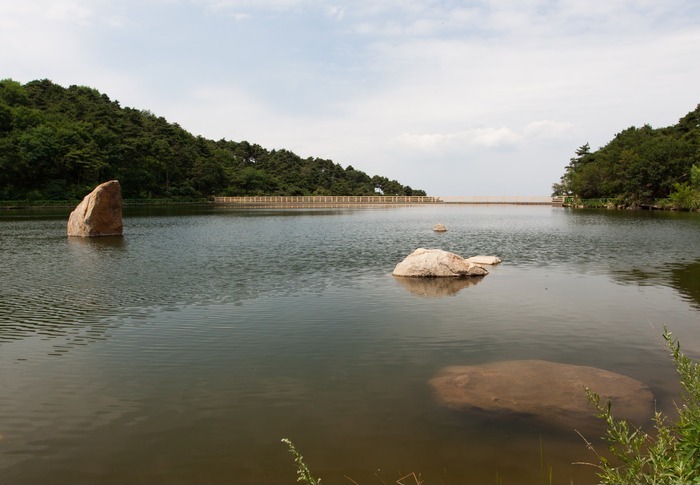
point(437, 287)
point(99, 243)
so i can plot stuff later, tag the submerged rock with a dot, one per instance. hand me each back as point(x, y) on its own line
point(436, 263)
point(548, 391)
point(99, 214)
point(439, 227)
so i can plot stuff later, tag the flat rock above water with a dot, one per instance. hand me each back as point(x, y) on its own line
point(548, 391)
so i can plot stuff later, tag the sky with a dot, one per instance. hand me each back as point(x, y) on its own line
point(458, 98)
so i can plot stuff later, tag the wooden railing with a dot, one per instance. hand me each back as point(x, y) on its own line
point(381, 199)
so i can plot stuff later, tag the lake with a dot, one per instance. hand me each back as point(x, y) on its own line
point(186, 350)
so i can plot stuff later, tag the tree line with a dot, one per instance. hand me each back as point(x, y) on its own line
point(58, 143)
point(639, 166)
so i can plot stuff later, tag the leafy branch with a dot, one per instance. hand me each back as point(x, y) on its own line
point(303, 473)
point(672, 453)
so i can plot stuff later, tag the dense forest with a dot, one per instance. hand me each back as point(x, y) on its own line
point(639, 166)
point(58, 143)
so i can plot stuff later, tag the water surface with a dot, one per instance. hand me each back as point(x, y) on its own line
point(184, 351)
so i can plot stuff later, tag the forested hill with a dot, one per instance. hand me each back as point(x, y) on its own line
point(59, 143)
point(640, 165)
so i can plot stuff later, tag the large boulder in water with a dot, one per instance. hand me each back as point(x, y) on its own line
point(436, 263)
point(99, 214)
point(551, 392)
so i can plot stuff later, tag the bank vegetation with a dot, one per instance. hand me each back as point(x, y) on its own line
point(639, 168)
point(58, 143)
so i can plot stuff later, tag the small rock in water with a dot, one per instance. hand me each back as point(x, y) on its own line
point(440, 228)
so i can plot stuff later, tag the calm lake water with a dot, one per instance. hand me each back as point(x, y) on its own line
point(186, 350)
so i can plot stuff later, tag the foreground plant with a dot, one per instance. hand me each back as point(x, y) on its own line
point(672, 454)
point(303, 473)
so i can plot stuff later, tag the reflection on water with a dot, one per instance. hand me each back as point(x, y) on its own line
point(686, 279)
point(683, 277)
point(184, 351)
point(103, 243)
point(436, 287)
point(55, 287)
point(639, 276)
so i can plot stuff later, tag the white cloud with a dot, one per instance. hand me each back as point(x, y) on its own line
point(494, 137)
point(389, 86)
point(427, 141)
point(219, 111)
point(69, 11)
point(335, 11)
point(489, 137)
point(240, 17)
point(548, 129)
point(258, 5)
point(43, 35)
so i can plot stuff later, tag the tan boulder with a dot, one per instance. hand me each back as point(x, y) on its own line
point(439, 227)
point(99, 214)
point(551, 392)
point(436, 263)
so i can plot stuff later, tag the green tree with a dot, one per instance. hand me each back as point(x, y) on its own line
point(59, 142)
point(5, 118)
point(13, 93)
point(695, 177)
point(639, 165)
point(251, 181)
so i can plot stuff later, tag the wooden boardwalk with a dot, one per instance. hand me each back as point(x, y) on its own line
point(341, 200)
